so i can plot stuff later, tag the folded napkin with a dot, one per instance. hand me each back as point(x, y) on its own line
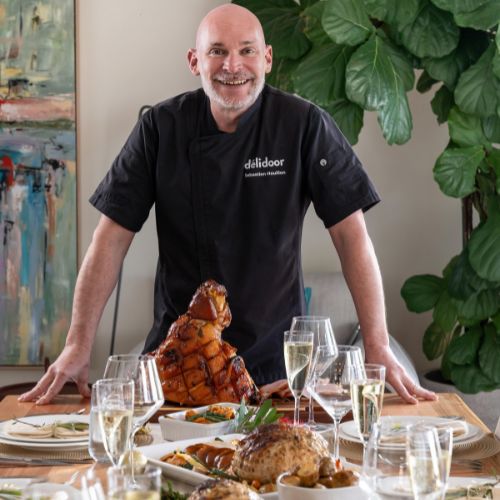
point(58, 430)
point(396, 434)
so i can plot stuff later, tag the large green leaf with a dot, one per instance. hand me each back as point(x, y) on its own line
point(493, 160)
point(484, 17)
point(455, 170)
point(484, 245)
point(497, 40)
point(448, 68)
point(433, 32)
point(465, 129)
point(376, 9)
point(281, 74)
point(400, 13)
point(422, 292)
point(445, 312)
point(313, 28)
point(375, 72)
point(435, 341)
point(479, 306)
point(349, 118)
point(470, 379)
point(477, 89)
point(463, 350)
point(346, 21)
point(489, 353)
point(463, 281)
point(459, 5)
point(320, 76)
point(394, 117)
point(496, 65)
point(425, 82)
point(283, 26)
point(442, 103)
point(491, 128)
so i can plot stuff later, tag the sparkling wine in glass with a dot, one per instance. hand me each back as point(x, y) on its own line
point(333, 389)
point(367, 393)
point(298, 349)
point(321, 327)
point(115, 403)
point(142, 371)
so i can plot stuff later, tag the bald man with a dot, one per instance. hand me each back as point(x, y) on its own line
point(231, 170)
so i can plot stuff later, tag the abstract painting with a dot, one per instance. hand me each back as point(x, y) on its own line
point(37, 178)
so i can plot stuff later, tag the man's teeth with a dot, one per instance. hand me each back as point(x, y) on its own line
point(234, 82)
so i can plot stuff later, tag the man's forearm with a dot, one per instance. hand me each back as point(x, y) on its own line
point(96, 281)
point(362, 274)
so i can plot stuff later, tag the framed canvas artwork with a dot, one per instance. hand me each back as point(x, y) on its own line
point(37, 178)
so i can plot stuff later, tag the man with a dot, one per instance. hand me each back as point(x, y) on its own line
point(231, 171)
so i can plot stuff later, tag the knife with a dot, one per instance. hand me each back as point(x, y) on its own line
point(13, 460)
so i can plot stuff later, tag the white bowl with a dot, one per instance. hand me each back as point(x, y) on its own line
point(175, 426)
point(289, 492)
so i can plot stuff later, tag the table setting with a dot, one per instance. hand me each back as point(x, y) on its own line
point(341, 436)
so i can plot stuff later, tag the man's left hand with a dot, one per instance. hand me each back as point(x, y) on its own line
point(397, 376)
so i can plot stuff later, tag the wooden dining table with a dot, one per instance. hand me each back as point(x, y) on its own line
point(448, 405)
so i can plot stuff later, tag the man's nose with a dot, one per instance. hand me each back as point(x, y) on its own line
point(232, 63)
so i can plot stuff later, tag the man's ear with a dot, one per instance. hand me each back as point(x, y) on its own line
point(269, 58)
point(193, 62)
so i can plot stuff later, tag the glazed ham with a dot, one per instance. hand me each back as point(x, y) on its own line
point(196, 366)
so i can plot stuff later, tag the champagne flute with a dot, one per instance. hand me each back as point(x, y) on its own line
point(321, 327)
point(115, 403)
point(142, 370)
point(445, 440)
point(333, 390)
point(298, 348)
point(425, 462)
point(126, 484)
point(367, 393)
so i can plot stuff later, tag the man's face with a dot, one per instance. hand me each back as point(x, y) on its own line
point(232, 60)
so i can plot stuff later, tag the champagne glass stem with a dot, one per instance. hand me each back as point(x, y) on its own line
point(336, 440)
point(296, 410)
point(311, 411)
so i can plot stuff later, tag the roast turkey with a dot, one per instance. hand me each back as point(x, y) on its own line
point(195, 365)
point(273, 449)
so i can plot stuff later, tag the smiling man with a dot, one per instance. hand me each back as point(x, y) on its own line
point(231, 170)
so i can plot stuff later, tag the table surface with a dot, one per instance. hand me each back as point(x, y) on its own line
point(447, 405)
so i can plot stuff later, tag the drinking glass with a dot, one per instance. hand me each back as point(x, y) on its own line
point(367, 393)
point(96, 444)
point(298, 348)
point(115, 403)
point(321, 327)
point(125, 484)
point(425, 462)
point(333, 389)
point(445, 440)
point(384, 473)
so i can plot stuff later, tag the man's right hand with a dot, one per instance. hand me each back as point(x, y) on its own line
point(71, 364)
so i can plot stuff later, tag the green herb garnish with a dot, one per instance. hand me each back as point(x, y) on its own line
point(73, 426)
point(248, 418)
point(168, 492)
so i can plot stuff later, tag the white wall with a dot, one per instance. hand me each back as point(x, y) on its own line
point(132, 52)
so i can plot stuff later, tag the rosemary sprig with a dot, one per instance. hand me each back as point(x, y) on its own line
point(73, 426)
point(248, 419)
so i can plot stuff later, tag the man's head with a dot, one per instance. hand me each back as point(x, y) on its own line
point(231, 57)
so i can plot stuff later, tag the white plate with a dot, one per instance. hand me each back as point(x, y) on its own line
point(175, 426)
point(41, 420)
point(349, 432)
point(155, 451)
point(53, 490)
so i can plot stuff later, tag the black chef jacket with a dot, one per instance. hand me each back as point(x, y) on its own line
point(230, 206)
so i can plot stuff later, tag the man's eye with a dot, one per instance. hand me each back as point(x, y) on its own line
point(216, 52)
point(249, 50)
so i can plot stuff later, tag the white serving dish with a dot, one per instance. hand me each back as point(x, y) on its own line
point(175, 427)
point(288, 492)
point(154, 452)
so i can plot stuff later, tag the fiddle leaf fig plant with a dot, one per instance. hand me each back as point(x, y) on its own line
point(352, 56)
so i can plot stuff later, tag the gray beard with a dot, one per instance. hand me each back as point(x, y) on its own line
point(231, 104)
